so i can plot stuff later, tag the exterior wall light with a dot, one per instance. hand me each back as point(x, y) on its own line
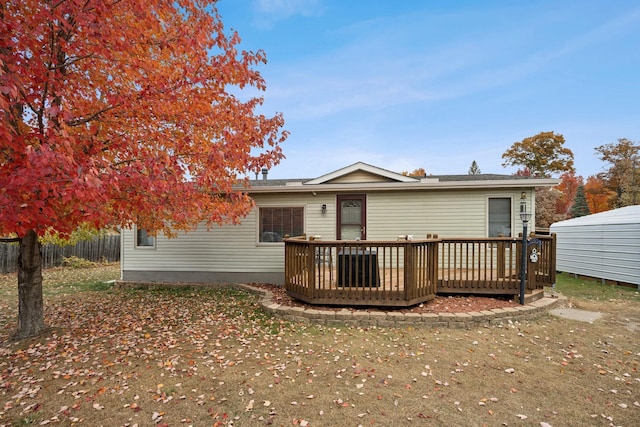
point(323, 208)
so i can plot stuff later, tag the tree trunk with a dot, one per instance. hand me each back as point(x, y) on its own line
point(30, 312)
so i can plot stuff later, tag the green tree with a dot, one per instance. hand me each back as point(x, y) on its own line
point(542, 154)
point(622, 176)
point(580, 206)
point(474, 169)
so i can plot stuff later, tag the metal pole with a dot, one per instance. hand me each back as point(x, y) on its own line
point(523, 261)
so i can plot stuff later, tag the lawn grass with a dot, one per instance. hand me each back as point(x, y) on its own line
point(590, 289)
point(214, 357)
point(66, 280)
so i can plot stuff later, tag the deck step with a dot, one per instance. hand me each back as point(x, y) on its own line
point(533, 296)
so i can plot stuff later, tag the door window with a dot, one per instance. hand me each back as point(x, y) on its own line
point(351, 217)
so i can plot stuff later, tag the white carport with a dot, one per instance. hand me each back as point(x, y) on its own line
point(605, 245)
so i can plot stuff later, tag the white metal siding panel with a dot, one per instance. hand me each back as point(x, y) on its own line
point(601, 246)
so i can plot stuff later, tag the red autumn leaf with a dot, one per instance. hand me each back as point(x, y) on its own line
point(117, 113)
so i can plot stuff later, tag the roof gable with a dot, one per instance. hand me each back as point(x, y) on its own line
point(361, 173)
point(364, 177)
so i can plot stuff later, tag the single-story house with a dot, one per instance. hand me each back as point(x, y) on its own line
point(605, 245)
point(357, 202)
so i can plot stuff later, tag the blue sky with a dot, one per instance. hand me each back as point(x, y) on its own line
point(437, 84)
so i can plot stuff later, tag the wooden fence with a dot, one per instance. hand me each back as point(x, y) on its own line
point(100, 249)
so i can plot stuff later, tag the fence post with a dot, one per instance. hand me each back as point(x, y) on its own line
point(4, 258)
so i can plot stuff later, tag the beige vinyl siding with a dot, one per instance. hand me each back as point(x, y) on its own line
point(445, 213)
point(235, 248)
point(315, 222)
point(226, 248)
point(229, 248)
point(360, 176)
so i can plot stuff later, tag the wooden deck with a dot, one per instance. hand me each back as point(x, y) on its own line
point(404, 273)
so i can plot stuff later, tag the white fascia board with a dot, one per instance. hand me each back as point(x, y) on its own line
point(406, 186)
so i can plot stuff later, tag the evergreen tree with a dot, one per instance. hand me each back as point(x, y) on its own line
point(580, 206)
point(474, 169)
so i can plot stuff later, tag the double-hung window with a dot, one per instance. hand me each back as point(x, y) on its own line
point(277, 222)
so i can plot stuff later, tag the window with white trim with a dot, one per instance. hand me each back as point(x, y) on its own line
point(278, 222)
point(499, 216)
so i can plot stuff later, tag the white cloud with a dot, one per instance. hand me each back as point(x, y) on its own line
point(268, 12)
point(404, 92)
point(374, 68)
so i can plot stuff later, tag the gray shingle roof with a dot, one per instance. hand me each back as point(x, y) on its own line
point(441, 178)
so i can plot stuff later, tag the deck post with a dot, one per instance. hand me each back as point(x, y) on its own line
point(524, 216)
point(409, 276)
point(311, 268)
point(523, 264)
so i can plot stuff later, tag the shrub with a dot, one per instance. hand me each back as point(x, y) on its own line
point(75, 262)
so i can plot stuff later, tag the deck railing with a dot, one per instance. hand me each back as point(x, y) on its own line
point(407, 272)
point(483, 266)
point(361, 272)
point(492, 265)
point(543, 271)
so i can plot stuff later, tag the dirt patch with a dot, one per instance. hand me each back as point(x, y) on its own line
point(441, 304)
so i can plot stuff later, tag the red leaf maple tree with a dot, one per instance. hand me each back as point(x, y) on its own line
point(568, 186)
point(122, 112)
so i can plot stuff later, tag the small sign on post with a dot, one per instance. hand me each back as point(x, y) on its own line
point(533, 257)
